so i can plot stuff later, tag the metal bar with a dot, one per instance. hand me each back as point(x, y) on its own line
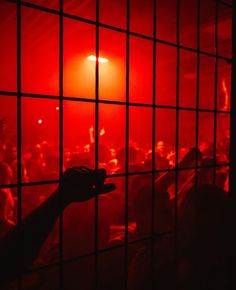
point(61, 274)
point(153, 143)
point(96, 237)
point(197, 88)
point(127, 145)
point(177, 133)
point(215, 94)
point(19, 134)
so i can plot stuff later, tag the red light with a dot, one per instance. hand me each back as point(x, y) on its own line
point(40, 121)
point(100, 59)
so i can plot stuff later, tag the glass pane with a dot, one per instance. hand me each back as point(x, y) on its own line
point(113, 13)
point(85, 9)
point(79, 274)
point(207, 25)
point(79, 71)
point(223, 138)
point(52, 4)
point(141, 63)
point(224, 85)
point(78, 131)
point(112, 126)
point(187, 134)
point(225, 31)
point(32, 198)
point(78, 229)
point(111, 215)
point(206, 135)
point(207, 82)
point(112, 74)
point(8, 46)
point(166, 20)
point(165, 138)
point(141, 16)
point(111, 269)
point(140, 206)
point(8, 140)
point(187, 82)
point(40, 138)
point(164, 199)
point(8, 204)
point(40, 52)
point(166, 75)
point(188, 23)
point(47, 278)
point(140, 137)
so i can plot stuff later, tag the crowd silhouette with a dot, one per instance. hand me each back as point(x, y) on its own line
point(194, 256)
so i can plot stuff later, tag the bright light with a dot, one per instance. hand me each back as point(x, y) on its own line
point(100, 59)
point(40, 121)
point(57, 108)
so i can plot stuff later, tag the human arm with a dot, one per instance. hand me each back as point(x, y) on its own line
point(20, 247)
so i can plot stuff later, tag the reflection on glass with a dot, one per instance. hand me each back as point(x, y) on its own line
point(165, 138)
point(140, 138)
point(113, 13)
point(40, 138)
point(188, 23)
point(166, 75)
point(225, 31)
point(141, 16)
point(112, 138)
point(187, 82)
point(206, 135)
point(112, 74)
point(141, 62)
point(79, 133)
point(40, 52)
point(207, 82)
point(79, 71)
point(85, 9)
point(224, 85)
point(8, 46)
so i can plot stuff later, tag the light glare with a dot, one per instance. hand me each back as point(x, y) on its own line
point(100, 59)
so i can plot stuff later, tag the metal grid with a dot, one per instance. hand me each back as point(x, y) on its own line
point(19, 94)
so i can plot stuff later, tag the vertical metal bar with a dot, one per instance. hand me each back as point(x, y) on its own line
point(177, 132)
point(96, 233)
point(232, 169)
point(197, 89)
point(153, 142)
point(19, 133)
point(61, 284)
point(127, 143)
point(215, 92)
point(232, 174)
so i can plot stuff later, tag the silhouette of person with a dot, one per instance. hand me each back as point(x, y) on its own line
point(20, 247)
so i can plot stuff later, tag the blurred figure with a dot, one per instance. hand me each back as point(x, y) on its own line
point(6, 200)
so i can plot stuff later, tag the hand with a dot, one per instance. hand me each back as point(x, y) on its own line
point(81, 183)
point(190, 157)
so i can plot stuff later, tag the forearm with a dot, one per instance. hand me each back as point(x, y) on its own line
point(163, 182)
point(20, 247)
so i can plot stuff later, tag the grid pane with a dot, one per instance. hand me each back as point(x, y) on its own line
point(157, 95)
point(8, 46)
point(79, 71)
point(40, 52)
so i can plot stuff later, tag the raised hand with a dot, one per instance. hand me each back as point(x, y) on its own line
point(81, 183)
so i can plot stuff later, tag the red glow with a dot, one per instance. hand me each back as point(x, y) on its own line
point(40, 121)
point(100, 59)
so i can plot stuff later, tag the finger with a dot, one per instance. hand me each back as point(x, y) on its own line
point(107, 188)
point(81, 169)
point(86, 168)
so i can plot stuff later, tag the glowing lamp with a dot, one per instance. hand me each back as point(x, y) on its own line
point(100, 59)
point(57, 108)
point(40, 121)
